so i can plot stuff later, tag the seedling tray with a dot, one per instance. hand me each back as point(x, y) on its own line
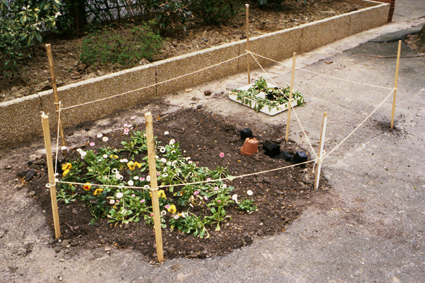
point(266, 109)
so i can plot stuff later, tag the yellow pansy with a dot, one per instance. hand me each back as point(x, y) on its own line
point(98, 192)
point(65, 172)
point(139, 165)
point(131, 165)
point(161, 194)
point(172, 209)
point(66, 166)
point(113, 156)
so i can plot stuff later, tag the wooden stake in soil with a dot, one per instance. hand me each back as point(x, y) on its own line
point(395, 86)
point(248, 57)
point(52, 183)
point(55, 92)
point(322, 141)
point(290, 98)
point(154, 186)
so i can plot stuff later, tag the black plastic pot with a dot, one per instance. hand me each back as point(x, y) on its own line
point(299, 157)
point(284, 155)
point(246, 133)
point(271, 149)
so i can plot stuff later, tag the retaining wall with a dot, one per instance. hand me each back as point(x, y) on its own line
point(20, 119)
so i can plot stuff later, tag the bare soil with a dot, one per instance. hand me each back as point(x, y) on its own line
point(281, 196)
point(69, 68)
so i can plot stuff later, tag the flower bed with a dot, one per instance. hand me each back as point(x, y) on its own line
point(211, 142)
point(270, 100)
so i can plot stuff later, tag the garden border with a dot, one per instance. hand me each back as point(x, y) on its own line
point(19, 118)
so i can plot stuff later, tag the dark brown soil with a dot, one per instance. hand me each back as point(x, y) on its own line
point(417, 41)
point(281, 196)
point(69, 68)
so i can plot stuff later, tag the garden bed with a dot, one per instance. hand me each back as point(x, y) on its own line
point(280, 196)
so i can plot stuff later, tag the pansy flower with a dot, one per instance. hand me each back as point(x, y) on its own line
point(172, 209)
point(87, 186)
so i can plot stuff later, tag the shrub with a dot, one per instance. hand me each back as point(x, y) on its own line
point(170, 15)
point(21, 24)
point(215, 11)
point(126, 47)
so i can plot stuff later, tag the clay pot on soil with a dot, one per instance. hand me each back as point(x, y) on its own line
point(250, 146)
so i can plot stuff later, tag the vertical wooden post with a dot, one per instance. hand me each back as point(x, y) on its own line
point(321, 144)
point(248, 57)
point(52, 183)
point(396, 81)
point(55, 92)
point(154, 186)
point(290, 98)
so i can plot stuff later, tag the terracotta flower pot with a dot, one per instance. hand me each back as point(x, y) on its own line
point(250, 146)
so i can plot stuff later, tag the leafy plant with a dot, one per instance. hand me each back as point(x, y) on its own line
point(247, 205)
point(189, 223)
point(114, 198)
point(273, 97)
point(126, 47)
point(21, 25)
point(170, 15)
point(215, 11)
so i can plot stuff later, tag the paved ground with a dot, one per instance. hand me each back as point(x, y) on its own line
point(370, 228)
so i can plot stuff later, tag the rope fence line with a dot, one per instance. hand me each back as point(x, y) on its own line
point(368, 116)
point(229, 178)
point(328, 76)
point(155, 84)
point(298, 120)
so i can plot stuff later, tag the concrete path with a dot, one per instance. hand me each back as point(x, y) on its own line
point(371, 226)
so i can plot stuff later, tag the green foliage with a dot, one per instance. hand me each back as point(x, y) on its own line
point(247, 205)
point(215, 11)
point(136, 144)
point(115, 198)
point(274, 4)
point(21, 24)
point(189, 223)
point(272, 97)
point(126, 47)
point(170, 15)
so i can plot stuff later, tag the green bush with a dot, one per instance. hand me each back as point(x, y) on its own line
point(215, 11)
point(126, 47)
point(170, 15)
point(21, 24)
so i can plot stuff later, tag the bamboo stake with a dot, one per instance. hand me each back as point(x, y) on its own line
point(52, 184)
point(154, 186)
point(55, 93)
point(396, 81)
point(247, 44)
point(322, 142)
point(290, 98)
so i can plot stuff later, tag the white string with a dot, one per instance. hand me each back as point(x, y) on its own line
point(152, 85)
point(332, 77)
point(229, 178)
point(380, 104)
point(290, 105)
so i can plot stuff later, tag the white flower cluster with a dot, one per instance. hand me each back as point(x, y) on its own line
point(82, 153)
